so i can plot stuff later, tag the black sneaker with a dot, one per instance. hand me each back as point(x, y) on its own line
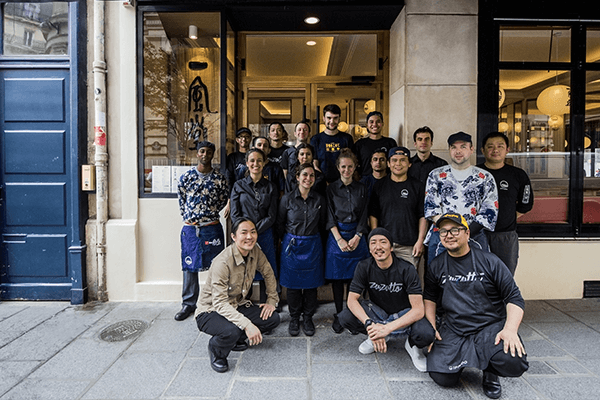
point(336, 326)
point(308, 326)
point(294, 327)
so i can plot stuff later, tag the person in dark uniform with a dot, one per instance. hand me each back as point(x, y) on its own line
point(235, 165)
point(394, 308)
point(289, 159)
point(305, 154)
point(379, 169)
point(330, 142)
point(515, 198)
point(271, 171)
point(347, 221)
point(396, 204)
point(224, 310)
point(301, 217)
point(482, 310)
point(375, 140)
point(202, 193)
point(255, 198)
point(423, 162)
point(277, 142)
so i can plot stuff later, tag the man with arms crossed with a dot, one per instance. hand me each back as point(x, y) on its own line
point(515, 198)
point(482, 310)
point(224, 311)
point(395, 305)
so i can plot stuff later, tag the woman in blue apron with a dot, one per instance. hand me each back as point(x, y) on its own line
point(347, 214)
point(305, 155)
point(255, 198)
point(301, 218)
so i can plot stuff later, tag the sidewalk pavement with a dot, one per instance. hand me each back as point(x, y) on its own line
point(53, 350)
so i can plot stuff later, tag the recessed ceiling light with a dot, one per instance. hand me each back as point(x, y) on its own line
point(311, 43)
point(312, 20)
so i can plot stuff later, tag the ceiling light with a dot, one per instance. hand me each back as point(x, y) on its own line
point(312, 20)
point(311, 43)
point(193, 32)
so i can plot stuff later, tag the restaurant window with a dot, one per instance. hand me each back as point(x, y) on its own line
point(182, 92)
point(559, 150)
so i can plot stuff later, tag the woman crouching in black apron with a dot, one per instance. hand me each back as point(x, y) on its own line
point(347, 217)
point(301, 218)
point(255, 198)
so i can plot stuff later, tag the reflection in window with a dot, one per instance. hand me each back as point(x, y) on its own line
point(593, 46)
point(181, 94)
point(534, 112)
point(538, 43)
point(36, 29)
point(591, 183)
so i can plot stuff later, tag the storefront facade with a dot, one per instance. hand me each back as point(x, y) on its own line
point(179, 71)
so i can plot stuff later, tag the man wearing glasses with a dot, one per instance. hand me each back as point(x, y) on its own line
point(482, 310)
point(463, 189)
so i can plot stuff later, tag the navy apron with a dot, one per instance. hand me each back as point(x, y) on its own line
point(301, 262)
point(341, 265)
point(199, 245)
point(266, 242)
point(455, 352)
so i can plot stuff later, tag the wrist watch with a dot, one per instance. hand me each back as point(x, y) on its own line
point(368, 322)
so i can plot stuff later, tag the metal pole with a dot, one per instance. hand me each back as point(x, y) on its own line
point(101, 154)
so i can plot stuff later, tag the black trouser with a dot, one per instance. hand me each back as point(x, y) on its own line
point(500, 364)
point(225, 334)
point(337, 287)
point(302, 302)
point(421, 332)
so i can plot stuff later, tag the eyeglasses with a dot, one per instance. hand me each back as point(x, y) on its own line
point(453, 231)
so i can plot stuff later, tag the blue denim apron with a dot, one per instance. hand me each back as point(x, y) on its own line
point(340, 265)
point(301, 262)
point(199, 245)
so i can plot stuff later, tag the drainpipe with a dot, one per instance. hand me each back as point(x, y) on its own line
point(101, 154)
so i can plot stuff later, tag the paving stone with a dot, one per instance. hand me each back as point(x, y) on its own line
point(196, 378)
point(396, 363)
point(280, 389)
point(200, 348)
point(137, 376)
point(12, 372)
point(543, 348)
point(571, 305)
point(166, 335)
point(569, 367)
point(54, 333)
point(426, 390)
point(574, 338)
point(512, 388)
point(331, 381)
point(20, 319)
point(540, 368)
point(540, 311)
point(118, 312)
point(34, 389)
point(329, 346)
point(275, 358)
point(560, 388)
point(82, 359)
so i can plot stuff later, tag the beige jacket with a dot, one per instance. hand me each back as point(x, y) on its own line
point(229, 280)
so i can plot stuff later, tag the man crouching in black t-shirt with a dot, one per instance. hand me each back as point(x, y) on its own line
point(395, 306)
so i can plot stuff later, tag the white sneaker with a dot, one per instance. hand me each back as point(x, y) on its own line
point(418, 359)
point(367, 347)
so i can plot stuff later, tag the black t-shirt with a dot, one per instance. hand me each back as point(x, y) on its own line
point(235, 167)
point(464, 313)
point(288, 158)
point(387, 288)
point(420, 169)
point(328, 149)
point(364, 152)
point(398, 206)
point(276, 154)
point(514, 195)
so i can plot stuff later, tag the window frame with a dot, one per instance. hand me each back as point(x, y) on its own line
point(223, 32)
point(491, 20)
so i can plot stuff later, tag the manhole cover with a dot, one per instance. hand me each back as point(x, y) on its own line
point(123, 330)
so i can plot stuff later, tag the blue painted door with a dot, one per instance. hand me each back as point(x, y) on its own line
point(35, 167)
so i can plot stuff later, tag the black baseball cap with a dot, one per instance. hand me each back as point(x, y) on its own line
point(459, 136)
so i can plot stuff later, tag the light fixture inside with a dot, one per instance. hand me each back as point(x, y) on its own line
point(193, 32)
point(312, 20)
point(311, 43)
